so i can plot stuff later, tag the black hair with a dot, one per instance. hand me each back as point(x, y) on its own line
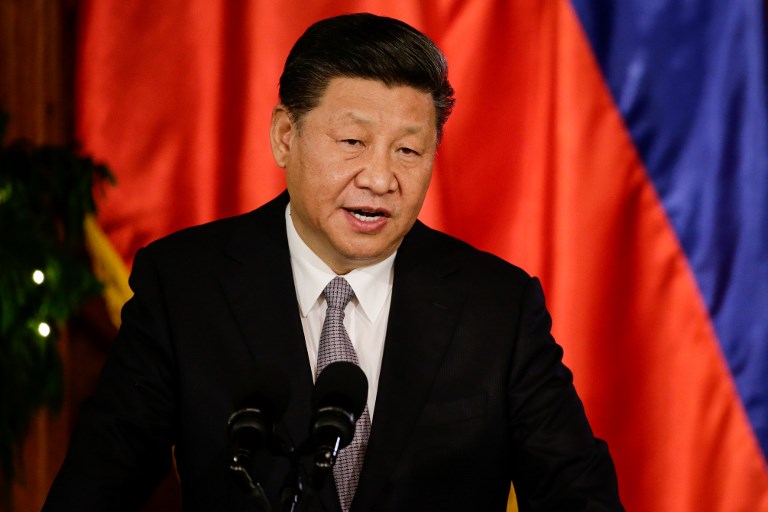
point(367, 46)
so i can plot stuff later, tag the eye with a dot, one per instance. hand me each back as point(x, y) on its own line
point(409, 151)
point(351, 142)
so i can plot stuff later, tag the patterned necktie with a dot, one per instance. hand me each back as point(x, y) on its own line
point(335, 345)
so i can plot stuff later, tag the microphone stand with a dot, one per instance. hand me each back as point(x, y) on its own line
point(293, 489)
point(254, 491)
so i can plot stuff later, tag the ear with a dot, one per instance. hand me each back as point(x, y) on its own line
point(281, 132)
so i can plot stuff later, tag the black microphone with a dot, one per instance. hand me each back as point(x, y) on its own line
point(338, 400)
point(252, 426)
point(340, 395)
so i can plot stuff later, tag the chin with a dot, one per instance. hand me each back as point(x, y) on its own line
point(363, 257)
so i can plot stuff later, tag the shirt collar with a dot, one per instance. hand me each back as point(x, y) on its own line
point(371, 284)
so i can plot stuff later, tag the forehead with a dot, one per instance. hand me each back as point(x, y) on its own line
point(368, 102)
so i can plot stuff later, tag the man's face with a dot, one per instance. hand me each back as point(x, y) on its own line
point(357, 169)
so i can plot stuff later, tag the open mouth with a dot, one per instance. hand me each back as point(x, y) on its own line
point(366, 215)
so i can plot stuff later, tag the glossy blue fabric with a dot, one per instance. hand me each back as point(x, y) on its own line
point(689, 77)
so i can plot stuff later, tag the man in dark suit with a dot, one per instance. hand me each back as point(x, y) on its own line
point(467, 389)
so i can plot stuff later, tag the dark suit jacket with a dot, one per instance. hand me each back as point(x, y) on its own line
point(472, 392)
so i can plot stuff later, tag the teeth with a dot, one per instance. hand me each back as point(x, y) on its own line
point(365, 217)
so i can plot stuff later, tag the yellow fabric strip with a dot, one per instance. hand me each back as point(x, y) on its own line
point(512, 502)
point(108, 267)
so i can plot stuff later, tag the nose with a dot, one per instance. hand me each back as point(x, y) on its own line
point(377, 174)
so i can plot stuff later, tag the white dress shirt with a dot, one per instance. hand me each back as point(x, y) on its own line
point(366, 315)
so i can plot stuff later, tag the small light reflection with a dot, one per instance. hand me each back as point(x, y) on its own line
point(38, 277)
point(44, 329)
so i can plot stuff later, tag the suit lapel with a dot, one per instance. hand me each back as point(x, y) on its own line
point(258, 282)
point(422, 319)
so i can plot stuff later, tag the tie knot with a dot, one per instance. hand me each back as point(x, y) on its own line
point(338, 293)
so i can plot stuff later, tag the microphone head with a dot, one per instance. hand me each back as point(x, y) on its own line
point(267, 389)
point(341, 392)
point(341, 385)
point(257, 411)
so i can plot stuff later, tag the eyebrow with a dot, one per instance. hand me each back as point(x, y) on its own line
point(357, 118)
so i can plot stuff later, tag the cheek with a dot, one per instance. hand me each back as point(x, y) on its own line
point(305, 173)
point(320, 186)
point(323, 169)
point(415, 184)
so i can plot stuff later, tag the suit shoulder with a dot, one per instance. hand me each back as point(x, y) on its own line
point(443, 249)
point(258, 226)
point(196, 239)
